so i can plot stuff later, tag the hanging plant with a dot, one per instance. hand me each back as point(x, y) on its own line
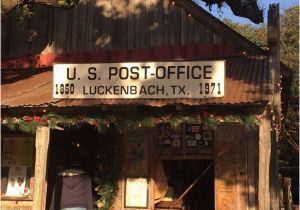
point(106, 190)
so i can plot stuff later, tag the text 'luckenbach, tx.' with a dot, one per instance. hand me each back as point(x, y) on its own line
point(194, 79)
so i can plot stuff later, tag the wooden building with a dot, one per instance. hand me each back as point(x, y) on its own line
point(218, 138)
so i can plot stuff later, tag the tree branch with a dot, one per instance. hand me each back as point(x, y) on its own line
point(243, 8)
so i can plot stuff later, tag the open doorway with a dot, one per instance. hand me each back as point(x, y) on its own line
point(97, 152)
point(180, 175)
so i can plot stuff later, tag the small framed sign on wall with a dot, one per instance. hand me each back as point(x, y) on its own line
point(136, 192)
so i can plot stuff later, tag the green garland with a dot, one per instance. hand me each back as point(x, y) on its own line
point(29, 124)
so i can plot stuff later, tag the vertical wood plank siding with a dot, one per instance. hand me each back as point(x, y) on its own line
point(252, 136)
point(103, 25)
point(231, 190)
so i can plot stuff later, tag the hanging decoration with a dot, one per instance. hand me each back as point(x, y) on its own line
point(29, 124)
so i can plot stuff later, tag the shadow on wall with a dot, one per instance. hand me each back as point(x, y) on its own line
point(98, 24)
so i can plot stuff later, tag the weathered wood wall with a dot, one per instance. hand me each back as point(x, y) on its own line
point(236, 168)
point(137, 158)
point(16, 205)
point(104, 25)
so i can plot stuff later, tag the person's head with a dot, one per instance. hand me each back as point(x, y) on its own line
point(75, 161)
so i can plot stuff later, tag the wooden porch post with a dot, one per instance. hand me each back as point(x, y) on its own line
point(40, 184)
point(274, 48)
point(264, 163)
point(287, 195)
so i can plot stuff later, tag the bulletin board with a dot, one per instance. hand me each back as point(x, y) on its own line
point(16, 165)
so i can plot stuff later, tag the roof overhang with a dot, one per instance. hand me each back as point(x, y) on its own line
point(247, 81)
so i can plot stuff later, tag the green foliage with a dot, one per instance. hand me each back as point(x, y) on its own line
point(290, 37)
point(250, 121)
point(11, 123)
point(289, 52)
point(68, 3)
point(30, 123)
point(210, 122)
point(232, 118)
point(256, 34)
point(28, 127)
point(106, 190)
point(22, 13)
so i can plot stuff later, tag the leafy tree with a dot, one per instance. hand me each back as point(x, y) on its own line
point(289, 52)
point(289, 49)
point(257, 35)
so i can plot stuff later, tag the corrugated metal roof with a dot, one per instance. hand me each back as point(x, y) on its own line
point(248, 80)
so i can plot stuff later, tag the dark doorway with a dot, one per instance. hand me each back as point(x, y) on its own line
point(182, 173)
point(96, 150)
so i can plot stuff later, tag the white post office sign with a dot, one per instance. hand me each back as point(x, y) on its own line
point(189, 79)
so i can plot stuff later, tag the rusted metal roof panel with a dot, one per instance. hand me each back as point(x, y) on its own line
point(248, 80)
